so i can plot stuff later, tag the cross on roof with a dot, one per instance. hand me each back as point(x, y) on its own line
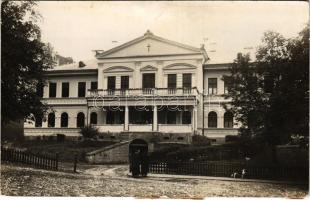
point(148, 47)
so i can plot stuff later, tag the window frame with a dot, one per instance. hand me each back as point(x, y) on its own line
point(52, 90)
point(67, 94)
point(212, 87)
point(81, 93)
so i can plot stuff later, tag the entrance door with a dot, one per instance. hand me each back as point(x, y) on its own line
point(148, 83)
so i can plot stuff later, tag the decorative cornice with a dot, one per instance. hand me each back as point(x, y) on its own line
point(176, 66)
point(148, 68)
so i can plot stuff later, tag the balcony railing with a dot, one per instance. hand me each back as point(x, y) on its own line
point(144, 92)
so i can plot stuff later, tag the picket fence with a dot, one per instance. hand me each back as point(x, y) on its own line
point(227, 169)
point(49, 162)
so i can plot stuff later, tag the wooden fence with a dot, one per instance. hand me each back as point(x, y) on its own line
point(40, 161)
point(226, 169)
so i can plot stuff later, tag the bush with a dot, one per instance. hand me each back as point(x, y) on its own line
point(89, 132)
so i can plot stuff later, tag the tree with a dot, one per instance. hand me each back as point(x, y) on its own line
point(270, 96)
point(24, 59)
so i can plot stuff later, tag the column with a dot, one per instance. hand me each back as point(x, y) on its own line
point(193, 118)
point(126, 118)
point(155, 125)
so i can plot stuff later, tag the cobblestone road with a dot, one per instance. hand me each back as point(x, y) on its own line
point(113, 181)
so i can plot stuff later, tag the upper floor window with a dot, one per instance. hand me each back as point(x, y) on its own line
point(111, 82)
point(212, 85)
point(228, 120)
point(227, 85)
point(187, 80)
point(212, 119)
point(40, 89)
point(94, 85)
point(52, 89)
point(65, 89)
point(81, 89)
point(148, 80)
point(172, 81)
point(124, 82)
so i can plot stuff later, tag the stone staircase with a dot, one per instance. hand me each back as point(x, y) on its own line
point(116, 153)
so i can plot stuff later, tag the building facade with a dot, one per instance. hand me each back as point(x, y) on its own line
point(149, 85)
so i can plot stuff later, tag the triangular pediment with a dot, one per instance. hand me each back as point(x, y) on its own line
point(117, 69)
point(149, 45)
point(148, 68)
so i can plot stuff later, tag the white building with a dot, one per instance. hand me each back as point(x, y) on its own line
point(147, 85)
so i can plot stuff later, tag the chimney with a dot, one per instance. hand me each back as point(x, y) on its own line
point(81, 64)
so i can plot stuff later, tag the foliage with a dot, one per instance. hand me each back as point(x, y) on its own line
point(89, 131)
point(23, 60)
point(270, 96)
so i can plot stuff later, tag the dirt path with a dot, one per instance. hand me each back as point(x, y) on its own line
point(112, 180)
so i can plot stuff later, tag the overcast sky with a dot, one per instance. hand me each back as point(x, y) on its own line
point(76, 28)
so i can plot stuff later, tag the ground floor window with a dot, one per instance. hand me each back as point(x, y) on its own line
point(51, 120)
point(115, 116)
point(186, 117)
point(140, 115)
point(64, 120)
point(80, 120)
point(38, 121)
point(212, 120)
point(228, 120)
point(93, 118)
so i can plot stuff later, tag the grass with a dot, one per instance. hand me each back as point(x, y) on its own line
point(66, 149)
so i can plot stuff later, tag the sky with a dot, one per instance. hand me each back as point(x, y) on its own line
point(76, 28)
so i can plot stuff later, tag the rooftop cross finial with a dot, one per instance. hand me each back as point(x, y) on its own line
point(148, 32)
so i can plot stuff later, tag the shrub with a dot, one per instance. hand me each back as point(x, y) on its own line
point(89, 132)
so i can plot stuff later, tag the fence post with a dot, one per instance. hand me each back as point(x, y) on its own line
point(75, 162)
point(57, 156)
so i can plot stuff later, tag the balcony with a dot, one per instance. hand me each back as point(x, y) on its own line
point(134, 92)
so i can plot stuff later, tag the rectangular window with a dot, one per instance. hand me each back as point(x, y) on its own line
point(148, 81)
point(187, 80)
point(227, 85)
point(94, 85)
point(172, 81)
point(186, 117)
point(124, 82)
point(171, 117)
point(212, 85)
point(40, 90)
point(65, 89)
point(81, 89)
point(52, 89)
point(111, 82)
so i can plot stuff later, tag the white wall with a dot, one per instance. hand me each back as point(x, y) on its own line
point(73, 84)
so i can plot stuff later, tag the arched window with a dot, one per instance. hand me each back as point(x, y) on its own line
point(80, 120)
point(228, 120)
point(212, 120)
point(51, 120)
point(93, 118)
point(64, 120)
point(38, 121)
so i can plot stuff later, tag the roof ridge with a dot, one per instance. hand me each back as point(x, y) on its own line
point(147, 35)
